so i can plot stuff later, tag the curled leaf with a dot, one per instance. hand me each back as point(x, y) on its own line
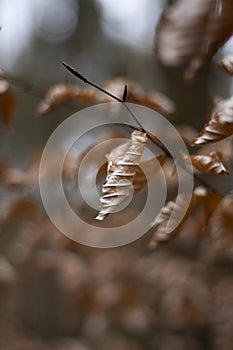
point(227, 64)
point(220, 125)
point(171, 210)
point(55, 96)
point(192, 32)
point(180, 32)
point(208, 164)
point(120, 173)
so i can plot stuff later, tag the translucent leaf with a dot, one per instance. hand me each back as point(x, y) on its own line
point(181, 30)
point(136, 94)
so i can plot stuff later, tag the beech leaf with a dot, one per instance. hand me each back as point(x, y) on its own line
point(208, 164)
point(120, 173)
point(192, 32)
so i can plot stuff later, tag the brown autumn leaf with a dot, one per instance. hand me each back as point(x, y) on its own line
point(61, 93)
point(220, 125)
point(209, 202)
point(227, 64)
point(208, 164)
point(192, 32)
point(136, 94)
point(8, 102)
point(120, 173)
point(143, 172)
point(181, 29)
point(54, 97)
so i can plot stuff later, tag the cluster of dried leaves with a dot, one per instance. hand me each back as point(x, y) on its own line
point(81, 298)
point(219, 128)
point(61, 93)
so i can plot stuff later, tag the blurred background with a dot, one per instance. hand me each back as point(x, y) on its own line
point(57, 294)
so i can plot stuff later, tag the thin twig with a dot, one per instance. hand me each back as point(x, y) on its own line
point(89, 82)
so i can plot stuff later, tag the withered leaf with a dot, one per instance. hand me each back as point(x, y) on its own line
point(170, 214)
point(136, 94)
point(120, 174)
point(181, 29)
point(54, 97)
point(192, 32)
point(61, 93)
point(163, 219)
point(220, 125)
point(227, 64)
point(208, 164)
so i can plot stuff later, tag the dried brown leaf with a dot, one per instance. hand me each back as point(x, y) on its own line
point(208, 164)
point(61, 93)
point(136, 94)
point(192, 32)
point(170, 214)
point(220, 125)
point(161, 222)
point(120, 174)
point(227, 64)
point(55, 96)
point(181, 30)
point(154, 100)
